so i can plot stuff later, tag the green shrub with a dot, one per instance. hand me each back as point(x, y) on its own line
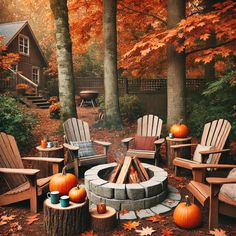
point(218, 100)
point(14, 121)
point(130, 107)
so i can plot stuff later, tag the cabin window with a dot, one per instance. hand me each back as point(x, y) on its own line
point(35, 74)
point(24, 44)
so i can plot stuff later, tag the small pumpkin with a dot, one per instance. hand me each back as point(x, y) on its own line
point(63, 182)
point(77, 194)
point(101, 208)
point(43, 143)
point(179, 130)
point(187, 215)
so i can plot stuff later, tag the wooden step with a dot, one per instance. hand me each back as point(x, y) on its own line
point(42, 103)
point(30, 97)
point(43, 106)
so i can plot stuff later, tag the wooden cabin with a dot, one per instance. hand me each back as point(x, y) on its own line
point(19, 38)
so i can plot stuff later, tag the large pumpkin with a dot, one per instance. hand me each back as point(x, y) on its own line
point(77, 194)
point(187, 215)
point(179, 130)
point(63, 182)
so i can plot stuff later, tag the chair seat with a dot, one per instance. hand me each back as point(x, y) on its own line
point(185, 163)
point(202, 193)
point(23, 187)
point(141, 153)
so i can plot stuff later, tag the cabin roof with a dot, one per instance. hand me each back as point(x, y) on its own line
point(11, 30)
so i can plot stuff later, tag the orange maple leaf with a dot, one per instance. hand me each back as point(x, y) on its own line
point(31, 219)
point(124, 211)
point(118, 233)
point(204, 37)
point(166, 232)
point(156, 218)
point(180, 49)
point(131, 225)
point(89, 233)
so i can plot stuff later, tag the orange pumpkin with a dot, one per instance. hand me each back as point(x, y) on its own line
point(179, 130)
point(77, 194)
point(63, 182)
point(187, 215)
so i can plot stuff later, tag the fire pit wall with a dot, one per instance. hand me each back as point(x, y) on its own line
point(138, 196)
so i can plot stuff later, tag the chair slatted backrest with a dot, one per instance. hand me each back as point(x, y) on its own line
point(76, 130)
point(10, 158)
point(149, 125)
point(215, 134)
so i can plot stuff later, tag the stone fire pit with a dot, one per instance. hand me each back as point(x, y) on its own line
point(153, 194)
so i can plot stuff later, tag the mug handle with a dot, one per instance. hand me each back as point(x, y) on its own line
point(48, 195)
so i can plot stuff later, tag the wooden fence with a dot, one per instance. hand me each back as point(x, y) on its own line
point(134, 86)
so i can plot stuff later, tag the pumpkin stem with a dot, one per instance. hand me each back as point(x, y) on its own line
point(188, 203)
point(181, 121)
point(77, 186)
point(64, 170)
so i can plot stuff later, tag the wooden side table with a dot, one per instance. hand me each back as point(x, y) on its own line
point(103, 222)
point(45, 168)
point(170, 155)
point(65, 221)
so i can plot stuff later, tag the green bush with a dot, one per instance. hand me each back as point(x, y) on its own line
point(218, 100)
point(14, 121)
point(130, 107)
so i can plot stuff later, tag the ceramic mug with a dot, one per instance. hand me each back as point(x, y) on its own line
point(64, 200)
point(49, 144)
point(53, 196)
point(171, 135)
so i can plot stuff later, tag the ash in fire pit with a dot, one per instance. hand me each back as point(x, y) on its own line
point(122, 192)
point(88, 97)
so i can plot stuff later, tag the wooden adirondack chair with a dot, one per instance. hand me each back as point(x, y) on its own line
point(22, 183)
point(208, 195)
point(214, 134)
point(75, 131)
point(147, 126)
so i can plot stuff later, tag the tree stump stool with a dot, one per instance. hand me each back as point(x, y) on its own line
point(46, 168)
point(65, 221)
point(103, 222)
point(184, 152)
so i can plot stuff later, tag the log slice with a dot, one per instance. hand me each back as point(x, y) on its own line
point(65, 221)
point(103, 222)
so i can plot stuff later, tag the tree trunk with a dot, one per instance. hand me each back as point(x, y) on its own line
point(112, 117)
point(64, 59)
point(176, 68)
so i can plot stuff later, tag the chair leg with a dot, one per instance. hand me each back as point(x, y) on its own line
point(33, 194)
point(214, 206)
point(76, 167)
point(177, 171)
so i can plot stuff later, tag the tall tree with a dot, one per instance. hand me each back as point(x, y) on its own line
point(113, 118)
point(176, 73)
point(64, 59)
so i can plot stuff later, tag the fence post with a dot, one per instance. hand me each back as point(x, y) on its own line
point(126, 83)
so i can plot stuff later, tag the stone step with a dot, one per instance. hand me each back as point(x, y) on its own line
point(42, 103)
point(31, 97)
point(44, 106)
point(39, 100)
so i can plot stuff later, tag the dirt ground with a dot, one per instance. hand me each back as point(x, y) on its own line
point(20, 221)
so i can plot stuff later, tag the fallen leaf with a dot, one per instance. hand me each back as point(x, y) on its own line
point(119, 233)
point(3, 222)
point(15, 227)
point(8, 218)
point(166, 232)
point(124, 211)
point(179, 178)
point(218, 232)
point(31, 219)
point(131, 225)
point(156, 218)
point(146, 231)
point(89, 233)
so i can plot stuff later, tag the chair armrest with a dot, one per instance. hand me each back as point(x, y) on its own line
point(70, 147)
point(102, 142)
point(183, 145)
point(213, 180)
point(47, 159)
point(19, 171)
point(126, 140)
point(214, 151)
point(205, 166)
point(159, 141)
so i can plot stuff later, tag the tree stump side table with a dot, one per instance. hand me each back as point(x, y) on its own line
point(45, 168)
point(103, 222)
point(170, 154)
point(65, 221)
